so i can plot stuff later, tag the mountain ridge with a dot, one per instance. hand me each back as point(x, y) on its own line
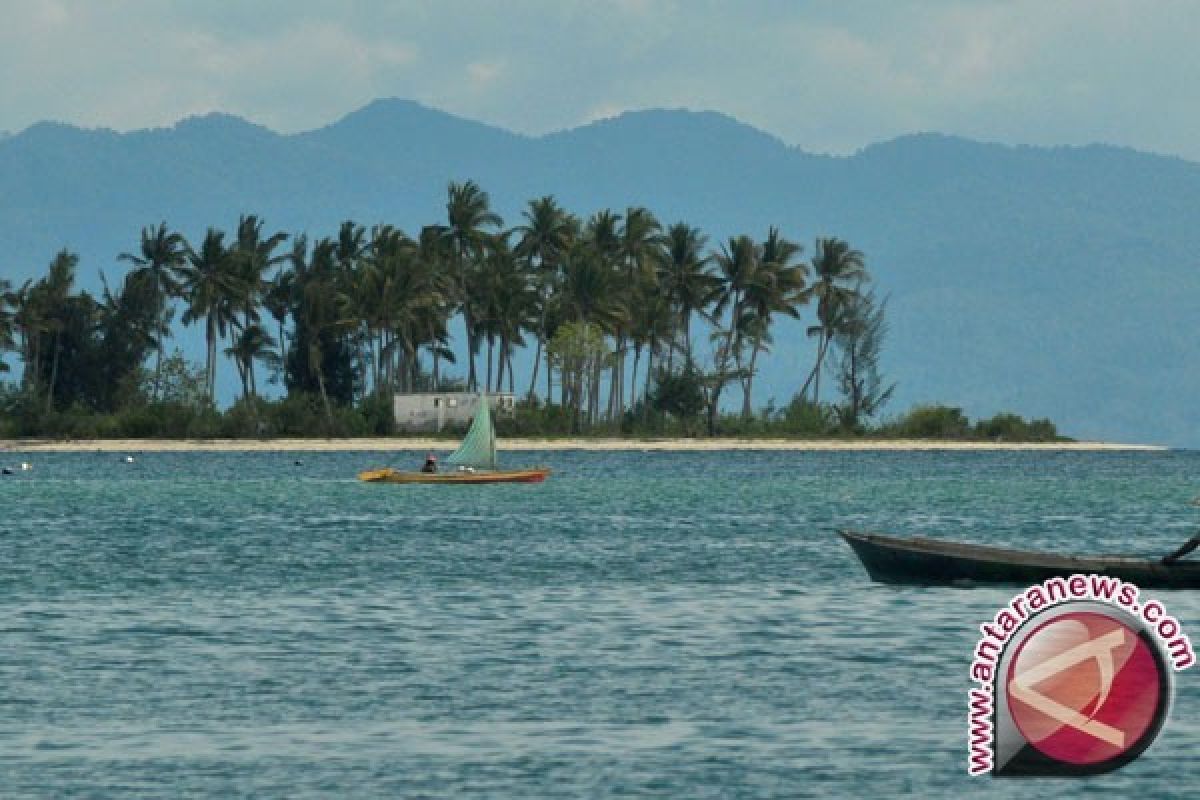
point(1052, 281)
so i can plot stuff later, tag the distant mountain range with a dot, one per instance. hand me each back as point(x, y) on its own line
point(1060, 282)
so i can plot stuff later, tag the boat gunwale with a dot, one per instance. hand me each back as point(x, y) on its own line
point(989, 554)
point(391, 475)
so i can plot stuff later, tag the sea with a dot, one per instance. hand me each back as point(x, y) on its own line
point(643, 624)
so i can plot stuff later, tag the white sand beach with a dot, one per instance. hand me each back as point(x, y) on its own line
point(386, 444)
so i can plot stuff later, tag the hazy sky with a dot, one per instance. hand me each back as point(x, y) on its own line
point(828, 76)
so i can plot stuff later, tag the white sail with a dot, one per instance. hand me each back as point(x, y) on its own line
point(478, 448)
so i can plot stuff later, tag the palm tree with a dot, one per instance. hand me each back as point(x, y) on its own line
point(251, 344)
point(652, 323)
point(686, 280)
point(370, 291)
point(544, 238)
point(405, 300)
point(320, 354)
point(53, 291)
point(838, 271)
point(161, 256)
point(321, 314)
point(640, 249)
point(250, 256)
point(589, 296)
point(212, 291)
point(468, 214)
point(433, 255)
point(29, 323)
point(739, 261)
point(510, 308)
point(277, 300)
point(130, 325)
point(6, 321)
point(776, 289)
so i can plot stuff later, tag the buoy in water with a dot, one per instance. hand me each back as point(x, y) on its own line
point(128, 459)
point(26, 466)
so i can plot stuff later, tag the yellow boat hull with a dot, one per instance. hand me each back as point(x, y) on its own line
point(388, 475)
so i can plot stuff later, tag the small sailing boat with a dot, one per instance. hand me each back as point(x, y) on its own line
point(474, 460)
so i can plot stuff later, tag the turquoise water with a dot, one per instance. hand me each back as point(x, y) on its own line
point(643, 624)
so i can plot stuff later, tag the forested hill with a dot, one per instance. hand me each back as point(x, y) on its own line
point(1057, 282)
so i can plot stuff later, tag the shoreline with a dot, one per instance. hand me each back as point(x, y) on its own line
point(523, 444)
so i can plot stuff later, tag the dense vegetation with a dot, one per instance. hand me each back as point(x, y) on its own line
point(610, 307)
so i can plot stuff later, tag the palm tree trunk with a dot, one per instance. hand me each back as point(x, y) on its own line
point(157, 370)
point(325, 400)
point(687, 335)
point(373, 344)
point(283, 350)
point(748, 382)
point(537, 362)
point(649, 375)
point(637, 356)
point(814, 377)
point(499, 366)
point(471, 379)
point(210, 335)
point(814, 373)
point(618, 367)
point(487, 387)
point(53, 375)
point(240, 363)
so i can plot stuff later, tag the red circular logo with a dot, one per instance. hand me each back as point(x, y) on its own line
point(1085, 688)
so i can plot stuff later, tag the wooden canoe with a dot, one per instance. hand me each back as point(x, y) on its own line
point(388, 475)
point(933, 562)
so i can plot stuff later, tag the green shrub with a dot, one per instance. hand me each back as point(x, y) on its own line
point(933, 422)
point(803, 418)
point(1009, 427)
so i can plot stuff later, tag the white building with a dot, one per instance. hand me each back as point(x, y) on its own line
point(432, 411)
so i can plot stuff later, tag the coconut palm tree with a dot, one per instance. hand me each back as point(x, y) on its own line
point(468, 215)
point(777, 288)
point(652, 324)
point(640, 248)
point(7, 325)
point(510, 308)
point(277, 300)
point(250, 256)
point(546, 235)
point(161, 256)
point(318, 310)
point(212, 290)
point(838, 271)
point(433, 254)
point(53, 292)
point(29, 324)
point(252, 343)
point(685, 278)
point(739, 262)
point(130, 326)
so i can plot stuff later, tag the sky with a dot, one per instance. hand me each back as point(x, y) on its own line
point(829, 77)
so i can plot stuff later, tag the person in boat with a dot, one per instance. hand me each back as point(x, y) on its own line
point(430, 463)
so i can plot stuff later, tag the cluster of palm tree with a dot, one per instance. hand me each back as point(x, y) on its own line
point(370, 311)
